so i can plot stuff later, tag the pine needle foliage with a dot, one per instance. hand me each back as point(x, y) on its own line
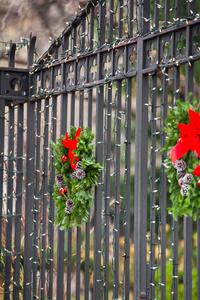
point(80, 191)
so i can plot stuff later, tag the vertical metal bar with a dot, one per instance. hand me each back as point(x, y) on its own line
point(107, 193)
point(117, 190)
point(153, 186)
point(74, 36)
point(189, 87)
point(175, 224)
point(90, 96)
point(37, 199)
point(87, 228)
point(191, 9)
point(178, 9)
point(144, 18)
point(78, 263)
point(110, 35)
point(83, 35)
point(65, 43)
point(11, 63)
point(28, 250)
point(177, 83)
point(163, 189)
point(51, 212)
point(189, 68)
point(53, 123)
point(99, 159)
point(156, 15)
point(187, 279)
point(98, 190)
point(130, 20)
point(167, 12)
point(120, 22)
point(30, 151)
point(92, 27)
point(60, 264)
point(69, 260)
point(44, 196)
point(72, 108)
point(61, 234)
point(175, 260)
point(11, 56)
point(140, 203)
point(18, 217)
point(2, 133)
point(10, 173)
point(128, 189)
point(78, 251)
point(69, 244)
point(102, 22)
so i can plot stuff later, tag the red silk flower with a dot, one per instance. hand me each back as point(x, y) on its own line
point(189, 139)
point(72, 145)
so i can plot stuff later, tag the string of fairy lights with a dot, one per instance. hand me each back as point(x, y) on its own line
point(6, 46)
point(156, 188)
point(48, 57)
point(111, 116)
point(8, 176)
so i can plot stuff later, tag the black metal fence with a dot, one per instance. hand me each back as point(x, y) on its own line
point(116, 68)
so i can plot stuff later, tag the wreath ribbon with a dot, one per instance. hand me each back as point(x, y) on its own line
point(72, 145)
point(189, 139)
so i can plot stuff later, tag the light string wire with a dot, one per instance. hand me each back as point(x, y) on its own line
point(152, 188)
point(124, 199)
point(114, 185)
point(48, 58)
point(45, 177)
point(155, 209)
point(159, 180)
point(50, 188)
point(37, 196)
point(174, 278)
point(58, 41)
point(158, 207)
point(19, 45)
point(105, 196)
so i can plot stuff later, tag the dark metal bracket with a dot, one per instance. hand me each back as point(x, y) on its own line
point(14, 84)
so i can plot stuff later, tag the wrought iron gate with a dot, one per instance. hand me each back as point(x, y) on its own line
point(115, 68)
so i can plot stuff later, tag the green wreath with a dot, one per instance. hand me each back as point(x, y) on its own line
point(183, 171)
point(76, 175)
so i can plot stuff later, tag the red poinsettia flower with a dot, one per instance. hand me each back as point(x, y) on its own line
point(189, 139)
point(72, 145)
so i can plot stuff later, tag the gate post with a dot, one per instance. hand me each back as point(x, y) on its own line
point(140, 197)
point(28, 241)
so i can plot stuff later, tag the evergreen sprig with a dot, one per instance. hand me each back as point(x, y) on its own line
point(181, 205)
point(80, 191)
